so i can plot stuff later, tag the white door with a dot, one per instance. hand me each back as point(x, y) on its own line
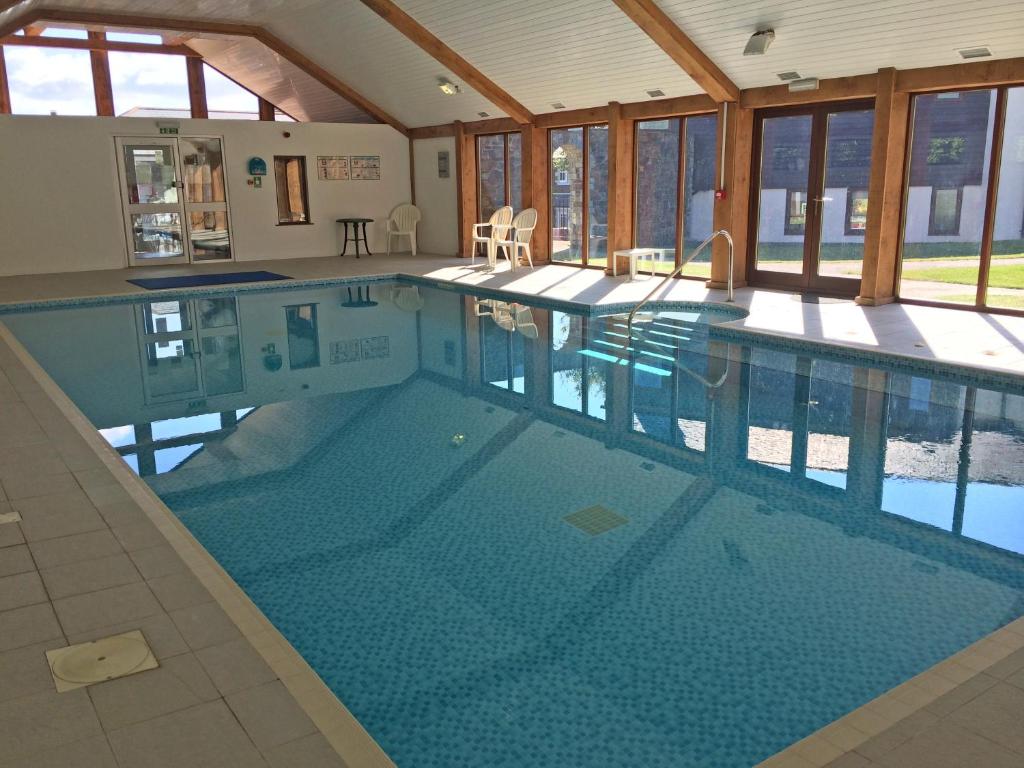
point(175, 200)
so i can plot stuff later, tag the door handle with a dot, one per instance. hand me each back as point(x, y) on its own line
point(823, 199)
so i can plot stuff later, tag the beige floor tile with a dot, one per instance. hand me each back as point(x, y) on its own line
point(108, 495)
point(45, 720)
point(886, 741)
point(235, 666)
point(270, 715)
point(16, 559)
point(89, 576)
point(1008, 666)
point(10, 533)
point(20, 590)
point(998, 715)
point(91, 479)
point(179, 590)
point(205, 625)
point(89, 753)
point(138, 536)
point(52, 517)
point(74, 549)
point(945, 745)
point(105, 608)
point(158, 561)
point(850, 760)
point(309, 752)
point(41, 467)
point(29, 486)
point(178, 683)
point(122, 513)
point(204, 736)
point(25, 671)
point(960, 695)
point(28, 625)
point(163, 637)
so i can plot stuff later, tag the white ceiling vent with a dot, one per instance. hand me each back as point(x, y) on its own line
point(557, 105)
point(656, 93)
point(787, 76)
point(979, 52)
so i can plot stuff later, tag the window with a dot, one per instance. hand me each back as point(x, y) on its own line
point(944, 214)
point(49, 81)
point(143, 82)
point(303, 336)
point(226, 99)
point(499, 172)
point(579, 194)
point(856, 211)
point(796, 211)
point(290, 178)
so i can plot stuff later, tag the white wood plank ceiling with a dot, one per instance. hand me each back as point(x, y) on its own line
point(581, 53)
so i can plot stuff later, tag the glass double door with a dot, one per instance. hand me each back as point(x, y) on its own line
point(175, 200)
point(810, 202)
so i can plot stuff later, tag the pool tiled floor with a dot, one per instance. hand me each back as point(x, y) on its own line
point(88, 559)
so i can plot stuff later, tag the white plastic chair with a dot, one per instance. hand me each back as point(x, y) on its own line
point(522, 230)
point(402, 222)
point(499, 223)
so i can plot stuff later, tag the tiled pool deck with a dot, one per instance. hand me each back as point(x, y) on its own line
point(96, 553)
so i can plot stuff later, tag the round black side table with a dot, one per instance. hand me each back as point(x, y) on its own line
point(355, 237)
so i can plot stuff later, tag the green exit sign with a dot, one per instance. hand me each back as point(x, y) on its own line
point(169, 130)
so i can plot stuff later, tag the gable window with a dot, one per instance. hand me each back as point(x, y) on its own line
point(856, 211)
point(292, 199)
point(944, 216)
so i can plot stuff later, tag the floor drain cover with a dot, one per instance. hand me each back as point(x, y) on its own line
point(105, 659)
point(596, 519)
point(10, 517)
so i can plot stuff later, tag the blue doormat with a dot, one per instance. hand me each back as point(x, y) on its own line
point(195, 281)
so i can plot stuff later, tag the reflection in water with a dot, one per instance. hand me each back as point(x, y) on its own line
point(796, 527)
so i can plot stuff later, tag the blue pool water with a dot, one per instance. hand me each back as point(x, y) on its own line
point(387, 469)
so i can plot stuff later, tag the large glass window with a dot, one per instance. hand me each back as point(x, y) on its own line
point(675, 190)
point(49, 81)
point(579, 368)
point(948, 179)
point(1006, 277)
point(579, 194)
point(226, 99)
point(142, 82)
point(499, 163)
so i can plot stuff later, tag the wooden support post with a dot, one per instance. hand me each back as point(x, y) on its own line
point(412, 172)
point(885, 191)
point(620, 182)
point(534, 186)
point(102, 88)
point(465, 186)
point(266, 110)
point(736, 129)
point(197, 88)
point(5, 91)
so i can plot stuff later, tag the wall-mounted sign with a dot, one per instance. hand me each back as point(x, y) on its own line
point(257, 166)
point(166, 128)
point(332, 168)
point(365, 167)
point(442, 165)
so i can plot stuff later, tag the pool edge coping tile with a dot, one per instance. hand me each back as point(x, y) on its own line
point(352, 742)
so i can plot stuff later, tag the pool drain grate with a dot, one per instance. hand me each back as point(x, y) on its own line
point(595, 520)
point(99, 660)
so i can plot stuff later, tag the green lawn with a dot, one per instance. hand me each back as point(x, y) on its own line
point(999, 276)
point(1006, 302)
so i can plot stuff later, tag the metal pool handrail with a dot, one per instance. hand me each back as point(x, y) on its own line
point(678, 270)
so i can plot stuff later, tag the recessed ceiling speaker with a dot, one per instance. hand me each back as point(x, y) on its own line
point(758, 43)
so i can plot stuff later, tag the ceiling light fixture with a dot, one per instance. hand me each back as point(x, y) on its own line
point(804, 84)
point(758, 43)
point(448, 88)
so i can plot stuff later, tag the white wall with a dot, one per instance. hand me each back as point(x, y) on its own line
point(436, 198)
point(62, 212)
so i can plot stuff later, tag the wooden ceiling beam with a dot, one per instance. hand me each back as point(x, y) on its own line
point(430, 43)
point(260, 34)
point(97, 45)
point(830, 89)
point(682, 50)
point(967, 75)
point(17, 21)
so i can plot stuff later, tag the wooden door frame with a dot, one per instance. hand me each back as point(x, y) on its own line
point(808, 279)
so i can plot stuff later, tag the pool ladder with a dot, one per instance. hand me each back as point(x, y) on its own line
point(678, 270)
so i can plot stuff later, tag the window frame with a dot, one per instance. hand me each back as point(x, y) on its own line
point(507, 158)
point(303, 190)
point(584, 196)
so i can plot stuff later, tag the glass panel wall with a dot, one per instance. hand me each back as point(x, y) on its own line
point(567, 167)
point(490, 163)
point(515, 170)
point(656, 212)
point(950, 159)
point(1006, 277)
point(699, 190)
point(597, 195)
point(49, 81)
point(145, 81)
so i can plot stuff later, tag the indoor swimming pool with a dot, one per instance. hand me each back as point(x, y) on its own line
point(510, 535)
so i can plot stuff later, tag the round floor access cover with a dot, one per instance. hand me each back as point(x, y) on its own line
point(101, 660)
